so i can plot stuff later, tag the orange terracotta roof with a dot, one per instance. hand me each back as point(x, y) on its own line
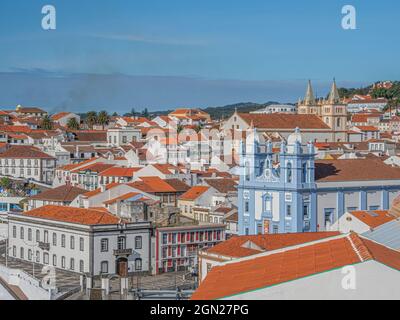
point(73, 215)
point(95, 167)
point(373, 218)
point(292, 264)
point(153, 185)
point(119, 172)
point(60, 115)
point(66, 193)
point(354, 170)
point(367, 128)
point(70, 167)
point(284, 121)
point(193, 193)
point(238, 246)
point(24, 152)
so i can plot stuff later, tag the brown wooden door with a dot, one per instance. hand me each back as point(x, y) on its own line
point(123, 268)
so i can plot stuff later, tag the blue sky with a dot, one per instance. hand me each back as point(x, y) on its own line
point(223, 51)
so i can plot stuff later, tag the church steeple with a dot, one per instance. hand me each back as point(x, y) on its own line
point(309, 99)
point(334, 96)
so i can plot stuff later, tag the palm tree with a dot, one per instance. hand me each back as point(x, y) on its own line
point(103, 118)
point(73, 124)
point(46, 123)
point(91, 118)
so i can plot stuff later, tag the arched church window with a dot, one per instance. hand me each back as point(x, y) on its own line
point(289, 173)
point(247, 173)
point(304, 173)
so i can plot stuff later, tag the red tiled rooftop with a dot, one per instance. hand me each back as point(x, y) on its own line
point(354, 170)
point(193, 193)
point(236, 246)
point(373, 218)
point(74, 215)
point(292, 264)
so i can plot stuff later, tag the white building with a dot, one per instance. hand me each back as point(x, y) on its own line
point(277, 108)
point(362, 221)
point(80, 240)
point(62, 118)
point(123, 136)
point(27, 162)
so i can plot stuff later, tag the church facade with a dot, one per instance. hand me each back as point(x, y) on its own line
point(332, 111)
point(290, 191)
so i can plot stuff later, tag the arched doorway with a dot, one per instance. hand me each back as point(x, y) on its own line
point(122, 267)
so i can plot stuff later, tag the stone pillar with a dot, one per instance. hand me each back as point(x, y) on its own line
point(89, 284)
point(82, 282)
point(105, 285)
point(124, 286)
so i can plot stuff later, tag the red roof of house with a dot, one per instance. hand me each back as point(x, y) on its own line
point(284, 121)
point(60, 115)
point(354, 170)
point(291, 264)
point(24, 152)
point(193, 193)
point(74, 215)
point(119, 172)
point(373, 218)
point(240, 246)
point(153, 185)
point(368, 128)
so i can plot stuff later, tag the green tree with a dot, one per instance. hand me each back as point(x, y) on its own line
point(103, 118)
point(72, 124)
point(5, 183)
point(91, 118)
point(145, 113)
point(46, 123)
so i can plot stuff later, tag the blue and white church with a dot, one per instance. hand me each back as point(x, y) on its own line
point(289, 191)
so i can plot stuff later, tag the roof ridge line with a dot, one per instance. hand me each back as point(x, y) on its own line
point(367, 255)
point(281, 250)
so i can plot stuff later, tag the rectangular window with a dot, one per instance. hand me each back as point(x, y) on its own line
point(81, 244)
point(72, 243)
point(81, 266)
point(104, 245)
point(121, 243)
point(72, 264)
point(54, 260)
point(138, 264)
point(246, 207)
point(305, 211)
point(63, 262)
point(54, 239)
point(138, 242)
point(104, 267)
point(288, 210)
point(63, 240)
